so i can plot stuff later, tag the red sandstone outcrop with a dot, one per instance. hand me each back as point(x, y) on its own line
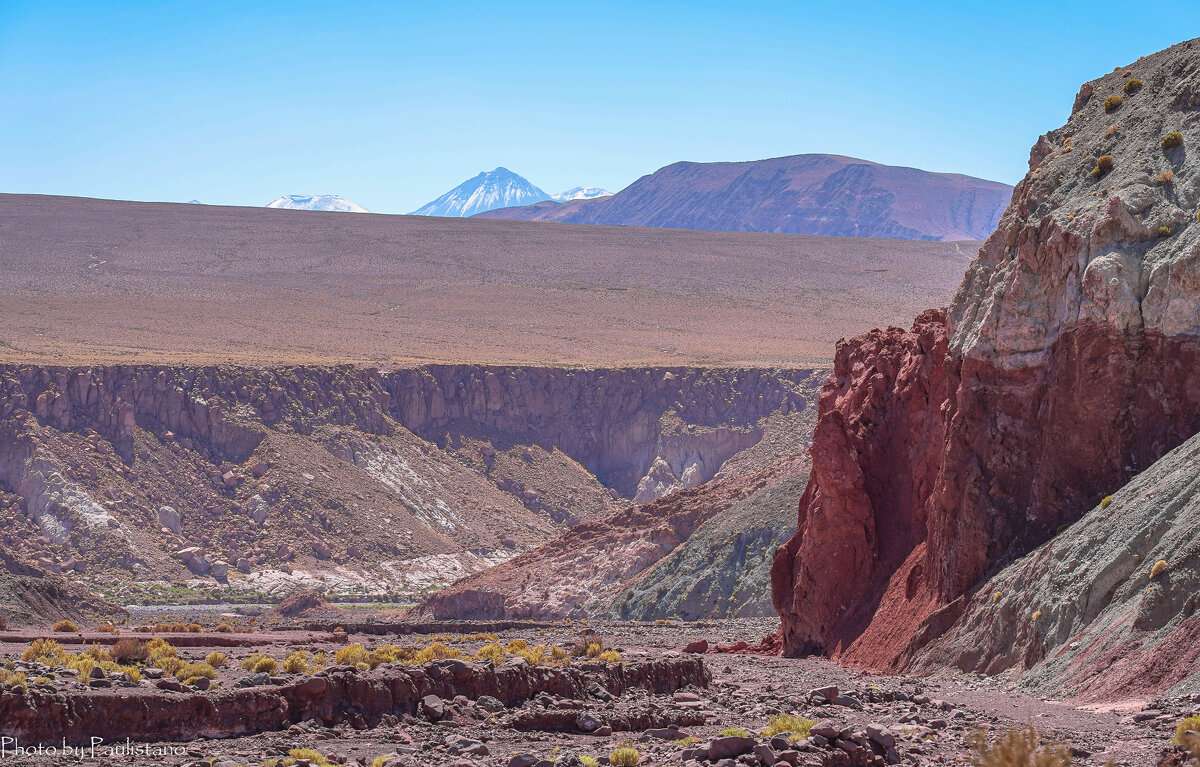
point(1072, 364)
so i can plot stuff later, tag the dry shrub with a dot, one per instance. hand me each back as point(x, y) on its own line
point(1112, 103)
point(216, 659)
point(131, 651)
point(1020, 747)
point(62, 626)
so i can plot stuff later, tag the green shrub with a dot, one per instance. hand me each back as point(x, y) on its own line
point(1132, 86)
point(780, 723)
point(734, 732)
point(1172, 140)
point(1112, 103)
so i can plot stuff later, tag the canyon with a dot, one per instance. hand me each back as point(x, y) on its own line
point(137, 480)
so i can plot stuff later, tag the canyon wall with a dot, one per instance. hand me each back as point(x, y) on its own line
point(1070, 365)
point(267, 479)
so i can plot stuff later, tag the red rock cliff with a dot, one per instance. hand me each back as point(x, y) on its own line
point(1071, 365)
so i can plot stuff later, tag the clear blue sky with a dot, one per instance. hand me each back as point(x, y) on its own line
point(391, 104)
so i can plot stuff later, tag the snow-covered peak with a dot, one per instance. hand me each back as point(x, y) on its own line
point(499, 188)
point(581, 193)
point(317, 202)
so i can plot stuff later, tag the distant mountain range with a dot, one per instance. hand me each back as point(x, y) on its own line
point(581, 193)
point(317, 202)
point(499, 188)
point(801, 194)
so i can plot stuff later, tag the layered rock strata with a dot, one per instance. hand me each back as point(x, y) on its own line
point(1070, 364)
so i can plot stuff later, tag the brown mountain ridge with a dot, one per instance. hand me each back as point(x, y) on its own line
point(802, 194)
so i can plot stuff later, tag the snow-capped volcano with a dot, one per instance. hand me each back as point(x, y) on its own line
point(581, 193)
point(499, 188)
point(317, 202)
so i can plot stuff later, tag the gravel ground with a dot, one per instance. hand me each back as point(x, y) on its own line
point(928, 719)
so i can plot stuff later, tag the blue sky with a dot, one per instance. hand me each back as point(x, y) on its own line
point(391, 104)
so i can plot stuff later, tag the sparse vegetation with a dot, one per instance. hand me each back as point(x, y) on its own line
point(798, 726)
point(216, 659)
point(1020, 747)
point(130, 651)
point(311, 756)
point(1171, 140)
point(266, 666)
point(1111, 130)
point(1166, 177)
point(66, 626)
point(735, 732)
point(1164, 231)
point(609, 656)
point(1190, 724)
point(1158, 569)
point(351, 655)
point(1104, 163)
point(1036, 615)
point(224, 628)
point(296, 663)
point(1132, 86)
point(192, 671)
point(995, 597)
point(1112, 103)
point(1107, 500)
point(589, 761)
point(624, 756)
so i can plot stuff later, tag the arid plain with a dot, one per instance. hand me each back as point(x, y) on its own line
point(96, 281)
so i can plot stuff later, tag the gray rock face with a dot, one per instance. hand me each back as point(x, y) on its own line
point(1099, 256)
point(169, 518)
point(1096, 592)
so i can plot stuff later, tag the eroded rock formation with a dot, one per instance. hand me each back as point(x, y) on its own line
point(1071, 364)
point(279, 478)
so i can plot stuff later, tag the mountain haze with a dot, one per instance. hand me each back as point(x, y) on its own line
point(801, 194)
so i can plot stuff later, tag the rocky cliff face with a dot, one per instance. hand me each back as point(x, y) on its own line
point(1070, 365)
point(269, 479)
point(1107, 609)
point(678, 556)
point(641, 431)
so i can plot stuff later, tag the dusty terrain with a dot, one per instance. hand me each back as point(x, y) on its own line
point(451, 712)
point(802, 194)
point(89, 281)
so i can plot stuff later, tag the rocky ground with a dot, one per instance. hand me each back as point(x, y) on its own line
point(657, 700)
